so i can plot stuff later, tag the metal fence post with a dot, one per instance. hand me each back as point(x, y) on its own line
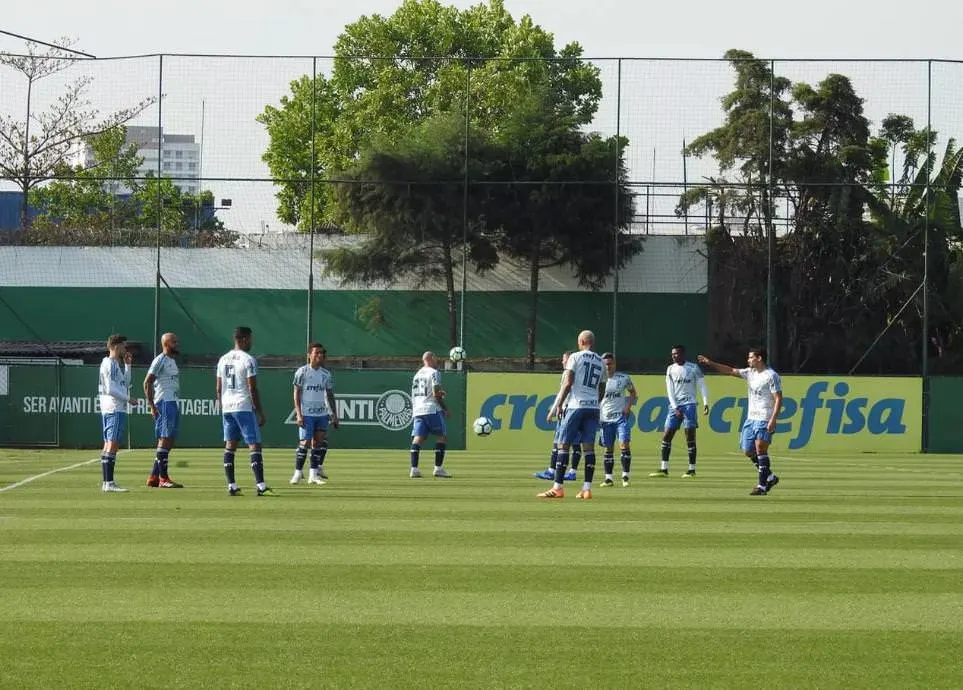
point(311, 200)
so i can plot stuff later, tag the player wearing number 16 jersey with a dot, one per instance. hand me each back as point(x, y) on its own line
point(583, 384)
point(240, 404)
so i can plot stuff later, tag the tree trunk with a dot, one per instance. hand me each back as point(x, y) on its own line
point(533, 312)
point(450, 289)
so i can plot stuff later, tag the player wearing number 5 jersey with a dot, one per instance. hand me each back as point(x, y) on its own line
point(583, 384)
point(241, 412)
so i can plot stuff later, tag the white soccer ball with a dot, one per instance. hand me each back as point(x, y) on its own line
point(482, 426)
point(457, 354)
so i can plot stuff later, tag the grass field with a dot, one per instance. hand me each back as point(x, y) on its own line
point(850, 575)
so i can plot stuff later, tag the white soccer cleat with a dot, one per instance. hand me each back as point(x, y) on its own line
point(316, 480)
point(296, 477)
point(415, 473)
point(111, 488)
point(441, 473)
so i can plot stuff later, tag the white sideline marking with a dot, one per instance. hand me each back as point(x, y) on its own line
point(50, 472)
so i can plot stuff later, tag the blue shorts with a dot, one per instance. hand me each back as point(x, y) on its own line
point(579, 425)
point(612, 430)
point(168, 418)
point(238, 425)
point(312, 425)
point(558, 434)
point(752, 431)
point(114, 423)
point(689, 420)
point(428, 424)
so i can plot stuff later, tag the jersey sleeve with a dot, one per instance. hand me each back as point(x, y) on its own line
point(436, 379)
point(251, 367)
point(743, 373)
point(330, 381)
point(155, 366)
point(775, 383)
point(299, 377)
point(571, 362)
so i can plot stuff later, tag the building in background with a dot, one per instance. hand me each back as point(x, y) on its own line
point(180, 156)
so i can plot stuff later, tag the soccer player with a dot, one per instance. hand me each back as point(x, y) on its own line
point(549, 473)
point(765, 402)
point(113, 389)
point(161, 389)
point(314, 408)
point(680, 384)
point(620, 396)
point(429, 412)
point(583, 384)
point(240, 402)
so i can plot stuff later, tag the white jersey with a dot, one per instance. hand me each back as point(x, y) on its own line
point(613, 404)
point(167, 385)
point(680, 384)
point(763, 386)
point(234, 369)
point(588, 371)
point(113, 386)
point(423, 386)
point(314, 385)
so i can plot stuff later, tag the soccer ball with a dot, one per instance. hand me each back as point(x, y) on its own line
point(457, 354)
point(482, 426)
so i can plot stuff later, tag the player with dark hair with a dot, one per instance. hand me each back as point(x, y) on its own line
point(113, 388)
point(240, 402)
point(765, 402)
point(549, 473)
point(314, 408)
point(616, 407)
point(681, 379)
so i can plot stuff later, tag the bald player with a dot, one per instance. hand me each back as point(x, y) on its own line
point(162, 388)
point(583, 387)
point(429, 412)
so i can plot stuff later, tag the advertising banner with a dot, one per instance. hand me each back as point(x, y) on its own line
point(820, 414)
point(58, 404)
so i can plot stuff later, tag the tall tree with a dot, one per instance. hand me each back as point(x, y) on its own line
point(407, 197)
point(849, 261)
point(387, 75)
point(34, 146)
point(561, 198)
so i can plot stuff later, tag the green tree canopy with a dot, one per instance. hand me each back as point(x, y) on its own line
point(391, 72)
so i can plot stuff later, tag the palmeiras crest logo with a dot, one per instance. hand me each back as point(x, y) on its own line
point(390, 410)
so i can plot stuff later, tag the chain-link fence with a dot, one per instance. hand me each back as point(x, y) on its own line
point(386, 207)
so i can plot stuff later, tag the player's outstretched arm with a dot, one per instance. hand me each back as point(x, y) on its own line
point(721, 368)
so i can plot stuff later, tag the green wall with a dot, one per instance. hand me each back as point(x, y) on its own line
point(495, 323)
point(57, 405)
point(946, 415)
